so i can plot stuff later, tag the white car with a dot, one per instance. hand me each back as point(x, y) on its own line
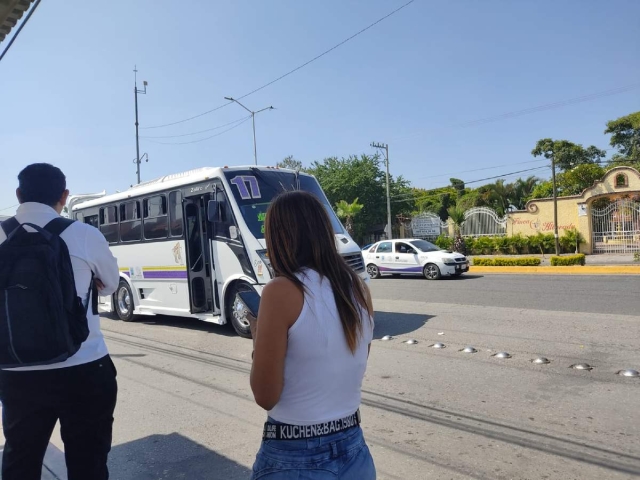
point(413, 257)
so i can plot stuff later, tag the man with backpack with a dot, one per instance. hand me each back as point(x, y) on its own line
point(54, 363)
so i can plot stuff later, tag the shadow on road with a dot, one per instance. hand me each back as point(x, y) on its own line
point(178, 322)
point(394, 324)
point(169, 457)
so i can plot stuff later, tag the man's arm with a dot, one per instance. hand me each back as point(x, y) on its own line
point(103, 264)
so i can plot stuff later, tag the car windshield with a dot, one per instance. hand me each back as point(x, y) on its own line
point(254, 189)
point(425, 246)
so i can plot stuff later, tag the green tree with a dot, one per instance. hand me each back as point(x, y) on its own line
point(497, 195)
point(574, 181)
point(625, 136)
point(571, 182)
point(566, 154)
point(458, 186)
point(290, 163)
point(348, 211)
point(523, 190)
point(456, 215)
point(361, 177)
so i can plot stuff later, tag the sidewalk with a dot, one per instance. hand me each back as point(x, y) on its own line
point(54, 467)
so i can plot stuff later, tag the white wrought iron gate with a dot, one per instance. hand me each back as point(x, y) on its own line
point(616, 227)
point(483, 222)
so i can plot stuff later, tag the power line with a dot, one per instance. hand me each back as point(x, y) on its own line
point(407, 196)
point(9, 208)
point(26, 19)
point(481, 169)
point(539, 108)
point(202, 139)
point(317, 57)
point(201, 131)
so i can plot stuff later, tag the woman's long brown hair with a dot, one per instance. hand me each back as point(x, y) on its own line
point(299, 234)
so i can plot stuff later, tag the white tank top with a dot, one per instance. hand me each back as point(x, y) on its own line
point(322, 378)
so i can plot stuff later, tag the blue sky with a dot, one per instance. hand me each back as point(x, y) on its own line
point(67, 83)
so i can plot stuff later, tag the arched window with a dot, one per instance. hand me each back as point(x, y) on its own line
point(622, 180)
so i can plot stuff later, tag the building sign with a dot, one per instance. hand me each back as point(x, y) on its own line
point(582, 209)
point(536, 224)
point(426, 225)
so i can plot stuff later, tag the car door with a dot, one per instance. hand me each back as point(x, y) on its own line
point(405, 258)
point(383, 257)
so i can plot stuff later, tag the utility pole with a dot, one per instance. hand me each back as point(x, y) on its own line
point(555, 205)
point(385, 147)
point(136, 92)
point(253, 120)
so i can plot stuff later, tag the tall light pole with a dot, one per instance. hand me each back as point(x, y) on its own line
point(555, 205)
point(136, 91)
point(253, 120)
point(385, 148)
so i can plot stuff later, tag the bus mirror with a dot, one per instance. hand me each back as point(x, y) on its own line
point(213, 211)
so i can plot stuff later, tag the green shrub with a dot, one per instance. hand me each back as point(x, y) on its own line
point(483, 262)
point(470, 242)
point(571, 240)
point(519, 244)
point(484, 246)
point(578, 259)
point(501, 244)
point(517, 262)
point(507, 262)
point(443, 242)
point(636, 257)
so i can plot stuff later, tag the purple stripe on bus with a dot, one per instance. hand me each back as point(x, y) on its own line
point(165, 274)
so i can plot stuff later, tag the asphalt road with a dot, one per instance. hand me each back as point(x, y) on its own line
point(185, 409)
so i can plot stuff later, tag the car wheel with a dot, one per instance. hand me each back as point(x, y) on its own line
point(123, 300)
point(239, 324)
point(373, 271)
point(431, 271)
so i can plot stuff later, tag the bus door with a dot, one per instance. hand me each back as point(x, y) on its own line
point(200, 268)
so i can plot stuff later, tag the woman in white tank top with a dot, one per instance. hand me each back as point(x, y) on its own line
point(311, 345)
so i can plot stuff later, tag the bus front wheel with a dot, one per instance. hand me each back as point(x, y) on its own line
point(239, 324)
point(123, 299)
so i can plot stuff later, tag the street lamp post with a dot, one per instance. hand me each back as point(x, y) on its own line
point(136, 92)
point(555, 206)
point(385, 148)
point(253, 120)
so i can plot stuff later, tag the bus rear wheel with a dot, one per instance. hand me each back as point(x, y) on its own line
point(239, 324)
point(123, 300)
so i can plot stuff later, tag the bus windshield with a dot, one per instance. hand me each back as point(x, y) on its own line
point(254, 189)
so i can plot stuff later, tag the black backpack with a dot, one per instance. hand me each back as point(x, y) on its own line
point(42, 319)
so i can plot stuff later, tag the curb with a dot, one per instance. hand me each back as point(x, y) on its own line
point(566, 270)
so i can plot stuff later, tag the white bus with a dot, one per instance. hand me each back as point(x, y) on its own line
point(187, 243)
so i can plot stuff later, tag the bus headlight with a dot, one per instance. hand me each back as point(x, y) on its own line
point(264, 256)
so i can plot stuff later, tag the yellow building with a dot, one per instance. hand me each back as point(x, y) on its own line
point(607, 214)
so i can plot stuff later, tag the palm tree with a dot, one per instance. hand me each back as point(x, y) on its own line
point(498, 196)
point(457, 217)
point(347, 211)
point(523, 189)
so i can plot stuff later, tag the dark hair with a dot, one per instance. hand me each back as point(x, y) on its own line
point(299, 234)
point(41, 183)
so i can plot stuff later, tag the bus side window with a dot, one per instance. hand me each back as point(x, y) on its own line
point(175, 213)
point(91, 220)
point(109, 223)
point(155, 217)
point(130, 222)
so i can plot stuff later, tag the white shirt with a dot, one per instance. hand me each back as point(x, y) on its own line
point(322, 377)
point(89, 252)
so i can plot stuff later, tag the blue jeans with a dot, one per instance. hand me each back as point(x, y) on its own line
point(343, 455)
